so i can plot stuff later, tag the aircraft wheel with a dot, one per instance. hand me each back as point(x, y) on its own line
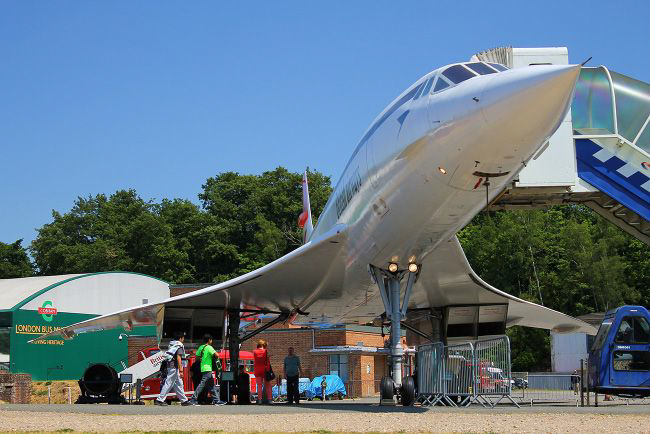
point(386, 389)
point(408, 392)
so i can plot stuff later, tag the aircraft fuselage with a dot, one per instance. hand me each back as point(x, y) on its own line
point(432, 160)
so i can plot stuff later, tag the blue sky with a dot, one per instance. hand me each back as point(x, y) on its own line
point(159, 95)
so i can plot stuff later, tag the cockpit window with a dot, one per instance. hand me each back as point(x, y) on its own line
point(480, 68)
point(458, 73)
point(440, 84)
point(498, 66)
point(419, 92)
point(425, 89)
point(427, 86)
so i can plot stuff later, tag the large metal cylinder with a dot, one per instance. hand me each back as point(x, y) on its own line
point(101, 380)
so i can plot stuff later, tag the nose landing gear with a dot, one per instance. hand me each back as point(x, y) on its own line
point(389, 283)
point(404, 394)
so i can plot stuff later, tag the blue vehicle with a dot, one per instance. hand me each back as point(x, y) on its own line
point(619, 360)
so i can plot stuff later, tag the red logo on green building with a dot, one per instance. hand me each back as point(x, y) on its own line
point(47, 311)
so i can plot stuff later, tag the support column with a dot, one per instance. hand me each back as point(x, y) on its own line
point(233, 349)
point(396, 350)
point(233, 340)
point(437, 325)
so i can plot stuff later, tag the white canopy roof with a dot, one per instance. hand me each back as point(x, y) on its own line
point(13, 291)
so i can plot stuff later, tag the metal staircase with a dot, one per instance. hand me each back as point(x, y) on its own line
point(605, 206)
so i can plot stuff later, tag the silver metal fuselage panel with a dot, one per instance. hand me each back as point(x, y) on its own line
point(404, 205)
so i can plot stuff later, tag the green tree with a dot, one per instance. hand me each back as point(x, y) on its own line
point(245, 221)
point(259, 214)
point(14, 261)
point(530, 349)
point(566, 258)
point(120, 232)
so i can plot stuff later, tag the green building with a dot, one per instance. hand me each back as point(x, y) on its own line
point(32, 306)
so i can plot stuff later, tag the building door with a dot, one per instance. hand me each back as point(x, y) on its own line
point(5, 332)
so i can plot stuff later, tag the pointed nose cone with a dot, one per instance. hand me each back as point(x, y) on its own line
point(526, 105)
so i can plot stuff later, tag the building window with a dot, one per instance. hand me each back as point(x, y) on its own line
point(339, 366)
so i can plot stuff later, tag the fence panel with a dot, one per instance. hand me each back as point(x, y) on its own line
point(460, 374)
point(430, 369)
point(459, 380)
point(550, 387)
point(493, 370)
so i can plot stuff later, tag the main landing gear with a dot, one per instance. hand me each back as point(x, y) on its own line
point(389, 283)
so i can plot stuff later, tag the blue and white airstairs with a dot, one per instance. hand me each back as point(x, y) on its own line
point(600, 155)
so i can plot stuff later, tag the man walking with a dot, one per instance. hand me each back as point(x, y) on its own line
point(174, 371)
point(575, 382)
point(292, 371)
point(207, 354)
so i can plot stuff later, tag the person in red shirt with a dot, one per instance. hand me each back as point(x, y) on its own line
point(261, 366)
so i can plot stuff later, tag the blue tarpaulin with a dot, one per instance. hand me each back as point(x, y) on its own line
point(334, 385)
point(303, 385)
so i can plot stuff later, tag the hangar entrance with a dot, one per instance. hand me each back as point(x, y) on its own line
point(194, 322)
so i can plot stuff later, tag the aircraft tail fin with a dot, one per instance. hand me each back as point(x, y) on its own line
point(304, 221)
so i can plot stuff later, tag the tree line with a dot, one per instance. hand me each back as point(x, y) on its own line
point(242, 223)
point(566, 257)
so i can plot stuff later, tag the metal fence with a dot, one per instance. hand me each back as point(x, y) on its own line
point(430, 369)
point(493, 370)
point(461, 374)
point(546, 387)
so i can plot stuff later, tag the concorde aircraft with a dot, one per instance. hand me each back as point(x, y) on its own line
point(384, 249)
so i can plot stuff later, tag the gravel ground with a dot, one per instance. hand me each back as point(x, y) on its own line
point(334, 420)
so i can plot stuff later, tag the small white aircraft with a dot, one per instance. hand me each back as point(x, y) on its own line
point(385, 246)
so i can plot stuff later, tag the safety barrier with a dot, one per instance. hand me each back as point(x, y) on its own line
point(461, 374)
point(546, 387)
point(429, 367)
point(493, 370)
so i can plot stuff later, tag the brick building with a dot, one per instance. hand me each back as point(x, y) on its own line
point(354, 353)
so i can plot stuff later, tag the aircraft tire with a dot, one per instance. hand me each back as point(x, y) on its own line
point(408, 392)
point(386, 389)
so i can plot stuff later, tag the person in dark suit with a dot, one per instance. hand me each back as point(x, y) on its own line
point(243, 386)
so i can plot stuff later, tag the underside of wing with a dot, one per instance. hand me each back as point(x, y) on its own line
point(447, 279)
point(283, 286)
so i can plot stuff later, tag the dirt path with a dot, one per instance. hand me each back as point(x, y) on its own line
point(358, 422)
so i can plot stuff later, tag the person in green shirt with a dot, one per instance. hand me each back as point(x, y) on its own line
point(206, 354)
